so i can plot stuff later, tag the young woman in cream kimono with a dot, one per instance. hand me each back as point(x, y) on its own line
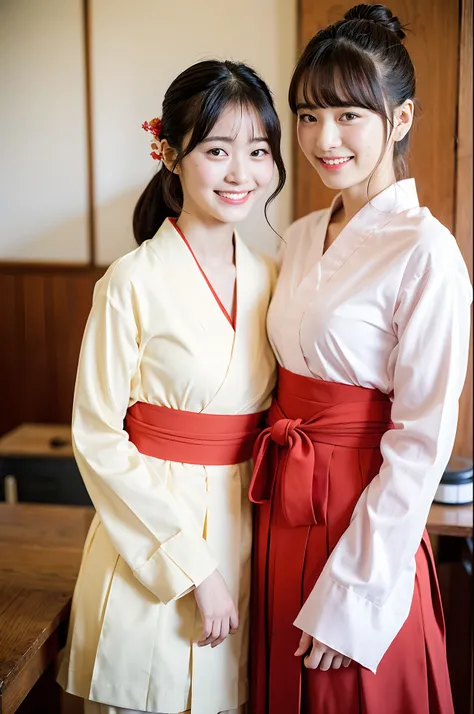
point(174, 372)
point(370, 325)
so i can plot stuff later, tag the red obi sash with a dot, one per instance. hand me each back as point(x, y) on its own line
point(192, 437)
point(307, 419)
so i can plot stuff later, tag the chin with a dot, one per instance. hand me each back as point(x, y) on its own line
point(336, 183)
point(234, 214)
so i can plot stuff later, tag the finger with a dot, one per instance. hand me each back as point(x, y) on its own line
point(225, 627)
point(215, 634)
point(346, 661)
point(326, 661)
point(214, 624)
point(337, 662)
point(314, 658)
point(234, 623)
point(304, 645)
point(206, 630)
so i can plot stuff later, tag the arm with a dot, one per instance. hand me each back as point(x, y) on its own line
point(149, 529)
point(364, 593)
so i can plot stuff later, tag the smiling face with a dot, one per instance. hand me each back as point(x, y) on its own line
point(224, 175)
point(346, 145)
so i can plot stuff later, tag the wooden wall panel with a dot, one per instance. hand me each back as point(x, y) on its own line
point(9, 342)
point(433, 46)
point(464, 210)
point(42, 317)
point(33, 359)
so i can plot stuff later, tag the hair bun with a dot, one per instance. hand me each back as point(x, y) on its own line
point(379, 14)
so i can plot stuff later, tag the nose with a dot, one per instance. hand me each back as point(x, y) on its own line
point(238, 170)
point(328, 136)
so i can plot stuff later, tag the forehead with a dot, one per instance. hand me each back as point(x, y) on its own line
point(239, 121)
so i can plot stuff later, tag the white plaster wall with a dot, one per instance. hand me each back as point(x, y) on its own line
point(43, 171)
point(138, 48)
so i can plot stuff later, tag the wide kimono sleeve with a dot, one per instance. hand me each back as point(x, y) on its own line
point(364, 593)
point(148, 527)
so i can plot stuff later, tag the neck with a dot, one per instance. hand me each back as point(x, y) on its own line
point(356, 197)
point(210, 240)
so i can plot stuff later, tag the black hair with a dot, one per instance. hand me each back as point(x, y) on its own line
point(192, 105)
point(359, 61)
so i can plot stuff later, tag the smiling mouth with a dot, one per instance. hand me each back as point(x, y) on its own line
point(233, 196)
point(337, 161)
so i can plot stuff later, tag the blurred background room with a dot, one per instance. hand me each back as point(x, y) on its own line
point(77, 80)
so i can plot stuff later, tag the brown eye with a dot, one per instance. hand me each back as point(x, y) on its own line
point(349, 116)
point(306, 118)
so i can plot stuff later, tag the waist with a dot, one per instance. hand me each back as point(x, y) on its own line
point(301, 397)
point(192, 437)
point(327, 412)
point(308, 419)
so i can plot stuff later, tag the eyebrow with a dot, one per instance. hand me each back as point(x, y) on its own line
point(230, 139)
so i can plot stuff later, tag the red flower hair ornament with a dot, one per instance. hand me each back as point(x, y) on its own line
point(154, 127)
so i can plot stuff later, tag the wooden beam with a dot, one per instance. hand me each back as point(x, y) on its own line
point(86, 14)
point(463, 203)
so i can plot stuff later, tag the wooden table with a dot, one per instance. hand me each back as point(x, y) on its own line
point(35, 440)
point(40, 553)
point(37, 466)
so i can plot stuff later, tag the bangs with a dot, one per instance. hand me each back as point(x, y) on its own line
point(210, 108)
point(337, 75)
point(260, 128)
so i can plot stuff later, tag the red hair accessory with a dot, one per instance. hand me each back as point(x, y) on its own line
point(154, 127)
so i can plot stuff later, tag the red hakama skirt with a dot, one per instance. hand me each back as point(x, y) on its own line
point(320, 451)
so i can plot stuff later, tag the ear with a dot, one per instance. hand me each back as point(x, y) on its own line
point(403, 120)
point(169, 156)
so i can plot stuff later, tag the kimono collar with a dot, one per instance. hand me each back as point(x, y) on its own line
point(168, 233)
point(381, 209)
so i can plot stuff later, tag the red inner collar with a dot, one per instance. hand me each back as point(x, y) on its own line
point(231, 319)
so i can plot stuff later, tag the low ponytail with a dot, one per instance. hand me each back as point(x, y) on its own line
point(161, 199)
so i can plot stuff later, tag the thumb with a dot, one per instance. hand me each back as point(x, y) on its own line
point(304, 645)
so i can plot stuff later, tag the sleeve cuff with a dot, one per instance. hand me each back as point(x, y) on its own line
point(180, 563)
point(352, 625)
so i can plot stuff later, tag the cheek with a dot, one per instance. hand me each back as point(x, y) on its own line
point(265, 171)
point(199, 175)
point(372, 143)
point(302, 136)
point(306, 136)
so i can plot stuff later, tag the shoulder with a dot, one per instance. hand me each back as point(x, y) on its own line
point(301, 232)
point(304, 226)
point(433, 262)
point(429, 244)
point(123, 276)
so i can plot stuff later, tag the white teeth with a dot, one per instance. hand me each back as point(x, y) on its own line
point(332, 162)
point(233, 196)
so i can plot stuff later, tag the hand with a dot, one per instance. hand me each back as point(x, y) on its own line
point(321, 655)
point(218, 612)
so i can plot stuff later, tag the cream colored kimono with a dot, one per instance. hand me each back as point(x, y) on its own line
point(156, 334)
